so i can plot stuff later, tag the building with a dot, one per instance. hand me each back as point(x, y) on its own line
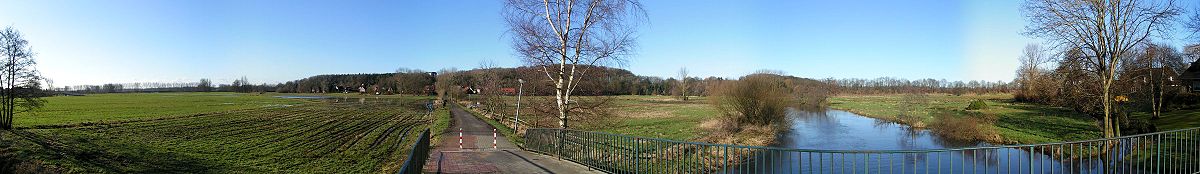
point(508, 91)
point(1191, 77)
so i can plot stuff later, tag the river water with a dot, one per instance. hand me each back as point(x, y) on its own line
point(840, 130)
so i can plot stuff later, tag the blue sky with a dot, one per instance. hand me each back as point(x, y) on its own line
point(93, 42)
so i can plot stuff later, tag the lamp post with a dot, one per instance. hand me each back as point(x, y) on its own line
point(520, 89)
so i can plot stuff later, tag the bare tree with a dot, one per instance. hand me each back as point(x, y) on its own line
point(1105, 31)
point(19, 78)
point(682, 88)
point(1192, 24)
point(489, 81)
point(205, 85)
point(1156, 65)
point(565, 38)
point(1029, 73)
point(445, 85)
point(49, 83)
point(241, 85)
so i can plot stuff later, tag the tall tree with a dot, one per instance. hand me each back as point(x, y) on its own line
point(445, 85)
point(1029, 73)
point(205, 85)
point(1156, 65)
point(1104, 30)
point(566, 38)
point(682, 88)
point(488, 80)
point(19, 78)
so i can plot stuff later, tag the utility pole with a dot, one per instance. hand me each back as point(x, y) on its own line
point(520, 90)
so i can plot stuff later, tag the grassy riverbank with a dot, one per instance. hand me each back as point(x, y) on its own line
point(1012, 122)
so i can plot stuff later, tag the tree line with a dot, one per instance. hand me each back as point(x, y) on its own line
point(203, 85)
point(890, 85)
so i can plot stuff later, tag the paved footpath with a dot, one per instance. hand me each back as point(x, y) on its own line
point(478, 156)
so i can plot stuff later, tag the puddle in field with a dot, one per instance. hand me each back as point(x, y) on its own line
point(277, 105)
point(302, 97)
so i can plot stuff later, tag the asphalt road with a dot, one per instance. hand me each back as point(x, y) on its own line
point(478, 156)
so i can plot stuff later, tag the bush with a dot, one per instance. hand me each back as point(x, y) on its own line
point(1185, 100)
point(1137, 126)
point(963, 127)
point(753, 100)
point(977, 105)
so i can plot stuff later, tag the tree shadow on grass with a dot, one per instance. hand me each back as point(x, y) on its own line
point(1050, 122)
point(93, 157)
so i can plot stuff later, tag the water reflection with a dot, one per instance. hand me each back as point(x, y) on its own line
point(841, 130)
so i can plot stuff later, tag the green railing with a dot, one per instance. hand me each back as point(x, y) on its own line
point(1175, 151)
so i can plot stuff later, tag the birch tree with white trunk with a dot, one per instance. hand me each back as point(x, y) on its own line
point(566, 38)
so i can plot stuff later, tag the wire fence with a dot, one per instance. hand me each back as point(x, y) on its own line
point(1175, 151)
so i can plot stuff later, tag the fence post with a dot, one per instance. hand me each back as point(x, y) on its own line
point(1158, 154)
point(561, 136)
point(1031, 159)
point(725, 162)
point(637, 148)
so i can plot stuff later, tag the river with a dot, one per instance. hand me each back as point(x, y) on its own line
point(840, 130)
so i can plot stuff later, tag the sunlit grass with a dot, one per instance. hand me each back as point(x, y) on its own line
point(321, 136)
point(1014, 122)
point(1173, 120)
point(646, 116)
point(62, 110)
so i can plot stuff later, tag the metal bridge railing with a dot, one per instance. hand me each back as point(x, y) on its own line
point(416, 158)
point(1175, 151)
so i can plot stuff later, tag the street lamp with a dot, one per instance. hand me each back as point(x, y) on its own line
point(520, 89)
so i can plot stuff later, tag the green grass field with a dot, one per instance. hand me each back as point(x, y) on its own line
point(661, 117)
point(67, 110)
point(1173, 120)
point(645, 116)
point(1015, 122)
point(265, 135)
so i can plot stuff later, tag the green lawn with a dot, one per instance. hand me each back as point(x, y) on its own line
point(1015, 122)
point(265, 135)
point(66, 110)
point(1173, 120)
point(661, 117)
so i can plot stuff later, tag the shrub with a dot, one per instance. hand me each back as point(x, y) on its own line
point(977, 105)
point(1135, 126)
point(963, 127)
point(754, 100)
